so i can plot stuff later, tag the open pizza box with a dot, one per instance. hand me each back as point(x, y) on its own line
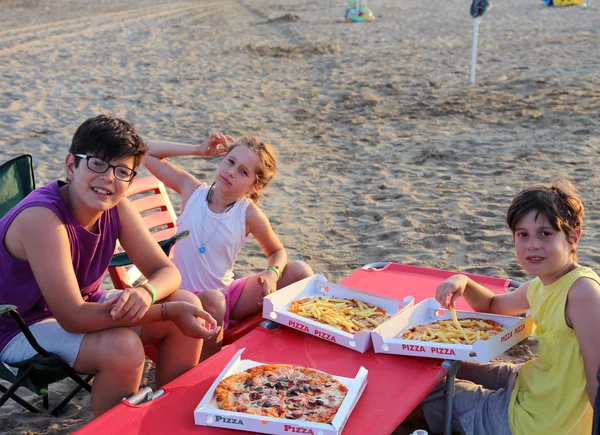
point(207, 413)
point(275, 308)
point(385, 336)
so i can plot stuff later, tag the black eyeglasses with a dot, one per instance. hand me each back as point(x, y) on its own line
point(99, 166)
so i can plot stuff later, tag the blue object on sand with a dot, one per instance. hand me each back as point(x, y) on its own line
point(478, 7)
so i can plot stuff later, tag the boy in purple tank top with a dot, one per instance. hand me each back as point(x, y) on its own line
point(56, 247)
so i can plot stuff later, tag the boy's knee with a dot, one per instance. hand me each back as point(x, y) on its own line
point(122, 347)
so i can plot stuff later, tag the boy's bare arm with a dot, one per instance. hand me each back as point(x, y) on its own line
point(145, 253)
point(480, 298)
point(583, 306)
point(46, 247)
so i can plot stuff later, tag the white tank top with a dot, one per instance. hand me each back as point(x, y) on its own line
point(220, 235)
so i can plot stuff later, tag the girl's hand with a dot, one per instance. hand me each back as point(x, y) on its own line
point(129, 305)
point(449, 290)
point(216, 144)
point(192, 320)
point(268, 282)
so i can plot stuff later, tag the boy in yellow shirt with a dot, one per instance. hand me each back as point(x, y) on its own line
point(555, 392)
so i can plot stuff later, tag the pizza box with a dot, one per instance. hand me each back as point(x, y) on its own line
point(207, 413)
point(429, 310)
point(275, 308)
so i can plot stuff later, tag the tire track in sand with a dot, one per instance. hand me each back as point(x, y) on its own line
point(38, 37)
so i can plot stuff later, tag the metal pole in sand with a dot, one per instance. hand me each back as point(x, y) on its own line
point(474, 53)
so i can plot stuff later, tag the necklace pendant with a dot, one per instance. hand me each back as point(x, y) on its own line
point(202, 249)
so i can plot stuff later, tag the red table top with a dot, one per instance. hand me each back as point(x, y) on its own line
point(396, 384)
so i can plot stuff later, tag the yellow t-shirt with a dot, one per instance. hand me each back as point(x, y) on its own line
point(550, 395)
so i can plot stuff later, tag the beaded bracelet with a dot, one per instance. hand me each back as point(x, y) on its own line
point(150, 289)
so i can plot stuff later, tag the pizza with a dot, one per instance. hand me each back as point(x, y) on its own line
point(446, 331)
point(282, 391)
point(349, 315)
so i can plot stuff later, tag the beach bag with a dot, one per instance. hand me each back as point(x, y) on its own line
point(562, 2)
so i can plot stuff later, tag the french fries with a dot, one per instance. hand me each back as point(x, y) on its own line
point(457, 324)
point(349, 315)
point(463, 331)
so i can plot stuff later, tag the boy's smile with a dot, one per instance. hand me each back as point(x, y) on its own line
point(541, 250)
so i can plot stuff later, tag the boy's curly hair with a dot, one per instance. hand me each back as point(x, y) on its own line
point(267, 164)
point(559, 203)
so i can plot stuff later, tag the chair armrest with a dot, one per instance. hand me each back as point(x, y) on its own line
point(122, 259)
point(6, 309)
point(166, 245)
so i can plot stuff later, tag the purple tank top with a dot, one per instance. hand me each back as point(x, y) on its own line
point(91, 254)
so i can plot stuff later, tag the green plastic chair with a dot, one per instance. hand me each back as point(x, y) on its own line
point(16, 181)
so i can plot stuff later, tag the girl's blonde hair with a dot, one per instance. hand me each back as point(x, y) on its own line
point(267, 164)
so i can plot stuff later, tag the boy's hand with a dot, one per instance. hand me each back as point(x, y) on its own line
point(129, 305)
point(215, 145)
point(267, 280)
point(449, 290)
point(192, 320)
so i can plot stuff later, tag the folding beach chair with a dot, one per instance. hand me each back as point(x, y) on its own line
point(38, 372)
point(16, 181)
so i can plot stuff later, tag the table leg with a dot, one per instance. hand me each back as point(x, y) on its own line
point(451, 367)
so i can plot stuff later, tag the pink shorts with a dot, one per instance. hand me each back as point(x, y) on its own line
point(232, 293)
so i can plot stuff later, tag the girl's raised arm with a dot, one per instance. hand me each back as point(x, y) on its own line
point(173, 176)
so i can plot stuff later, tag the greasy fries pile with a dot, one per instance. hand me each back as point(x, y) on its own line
point(342, 314)
point(446, 331)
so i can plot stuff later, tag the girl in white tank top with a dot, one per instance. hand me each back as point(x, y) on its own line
point(220, 217)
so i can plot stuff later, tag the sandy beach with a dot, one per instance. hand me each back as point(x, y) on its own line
point(386, 152)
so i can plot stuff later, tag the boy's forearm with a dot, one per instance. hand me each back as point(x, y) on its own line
point(479, 297)
point(93, 317)
point(163, 150)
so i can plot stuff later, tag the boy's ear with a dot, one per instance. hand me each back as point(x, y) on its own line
point(70, 166)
